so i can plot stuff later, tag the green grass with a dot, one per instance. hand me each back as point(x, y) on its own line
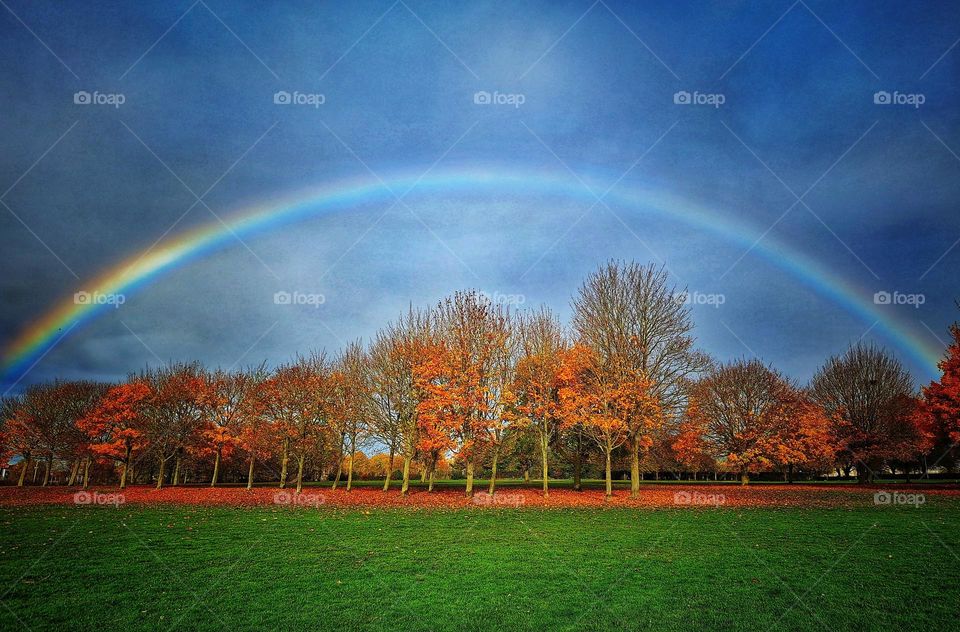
point(297, 569)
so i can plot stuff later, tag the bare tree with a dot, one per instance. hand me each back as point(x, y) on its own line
point(640, 328)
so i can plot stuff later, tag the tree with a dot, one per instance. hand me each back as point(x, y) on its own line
point(350, 403)
point(604, 403)
point(867, 394)
point(742, 408)
point(395, 355)
point(226, 402)
point(297, 396)
point(537, 380)
point(174, 413)
point(116, 425)
point(641, 333)
point(468, 373)
point(804, 440)
point(942, 397)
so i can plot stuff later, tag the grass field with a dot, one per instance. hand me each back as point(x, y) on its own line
point(156, 568)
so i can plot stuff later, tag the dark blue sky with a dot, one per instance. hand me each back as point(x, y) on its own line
point(598, 85)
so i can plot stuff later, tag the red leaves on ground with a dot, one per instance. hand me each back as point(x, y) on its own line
point(654, 496)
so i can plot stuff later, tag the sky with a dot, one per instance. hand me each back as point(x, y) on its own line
point(237, 182)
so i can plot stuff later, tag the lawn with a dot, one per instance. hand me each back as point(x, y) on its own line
point(234, 568)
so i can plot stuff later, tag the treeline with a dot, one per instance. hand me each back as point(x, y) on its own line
point(468, 385)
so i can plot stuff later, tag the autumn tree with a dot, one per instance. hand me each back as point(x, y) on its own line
point(536, 386)
point(350, 392)
point(116, 426)
point(640, 331)
point(394, 356)
point(226, 401)
point(942, 397)
point(868, 396)
point(470, 375)
point(742, 409)
point(297, 397)
point(174, 413)
point(603, 403)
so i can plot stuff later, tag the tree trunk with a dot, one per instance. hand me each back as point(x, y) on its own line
point(86, 472)
point(578, 466)
point(543, 464)
point(405, 486)
point(283, 463)
point(300, 471)
point(386, 482)
point(430, 488)
point(163, 467)
point(350, 471)
point(790, 473)
point(526, 475)
point(216, 467)
point(423, 475)
point(74, 469)
point(635, 468)
point(23, 470)
point(744, 477)
point(36, 469)
point(250, 474)
point(493, 473)
point(609, 493)
point(469, 489)
point(47, 466)
point(176, 471)
point(336, 481)
point(126, 464)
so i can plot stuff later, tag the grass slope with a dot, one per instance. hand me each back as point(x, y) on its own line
point(296, 569)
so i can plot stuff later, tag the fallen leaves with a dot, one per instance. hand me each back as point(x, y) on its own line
point(365, 499)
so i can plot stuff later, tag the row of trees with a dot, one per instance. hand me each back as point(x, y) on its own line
point(470, 381)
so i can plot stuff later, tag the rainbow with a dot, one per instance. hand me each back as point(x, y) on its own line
point(131, 274)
